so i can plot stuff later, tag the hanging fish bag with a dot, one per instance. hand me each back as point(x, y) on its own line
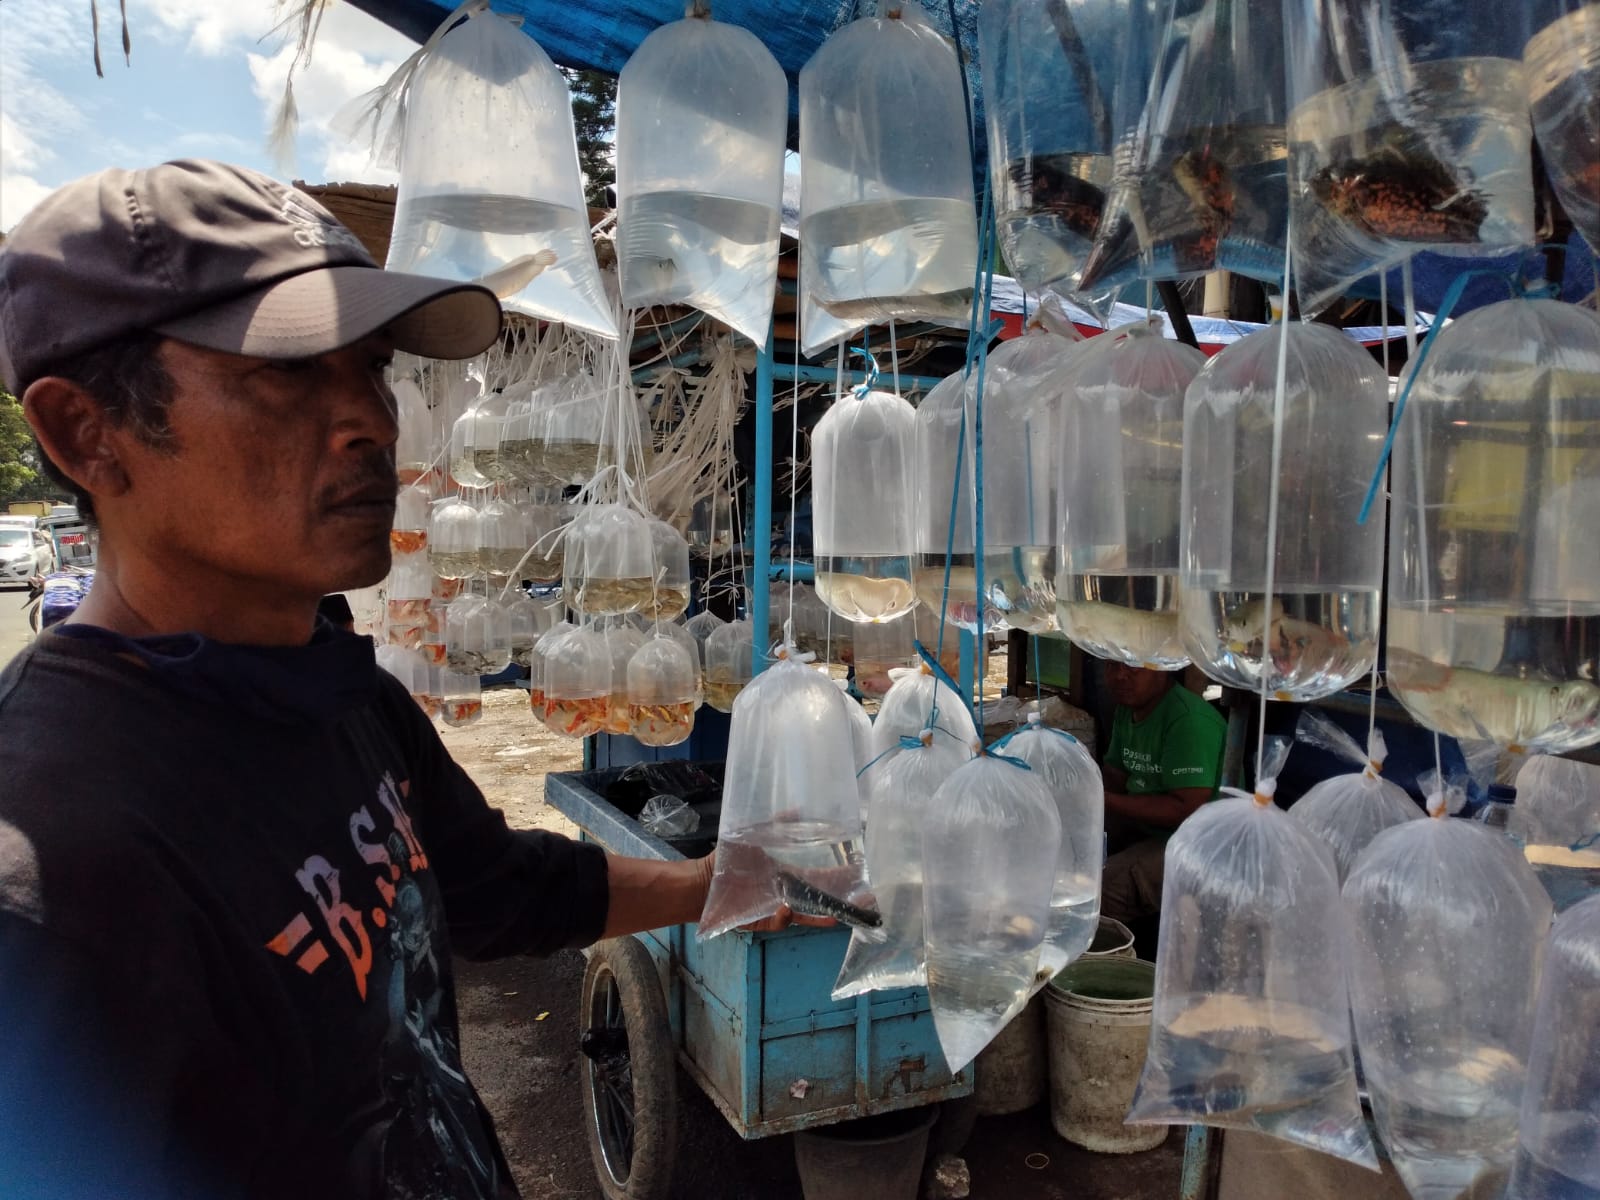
point(490, 189)
point(1299, 489)
point(898, 802)
point(1120, 484)
point(702, 113)
point(861, 501)
point(1448, 927)
point(1408, 131)
point(990, 843)
point(917, 700)
point(1251, 1026)
point(1558, 1141)
point(1200, 184)
point(1348, 811)
point(1562, 66)
point(791, 812)
point(1055, 76)
point(1067, 768)
point(1557, 821)
point(887, 225)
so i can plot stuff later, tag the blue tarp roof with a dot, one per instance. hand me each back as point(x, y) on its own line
point(601, 35)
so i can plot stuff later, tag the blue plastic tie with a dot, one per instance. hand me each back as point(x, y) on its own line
point(873, 374)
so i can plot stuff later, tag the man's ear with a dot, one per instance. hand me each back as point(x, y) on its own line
point(75, 432)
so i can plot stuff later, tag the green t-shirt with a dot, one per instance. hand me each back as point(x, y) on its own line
point(1179, 745)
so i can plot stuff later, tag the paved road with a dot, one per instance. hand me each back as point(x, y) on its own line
point(14, 631)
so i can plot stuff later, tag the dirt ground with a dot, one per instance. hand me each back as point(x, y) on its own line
point(520, 1044)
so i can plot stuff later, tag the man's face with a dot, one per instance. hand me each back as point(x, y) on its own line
point(1135, 686)
point(283, 473)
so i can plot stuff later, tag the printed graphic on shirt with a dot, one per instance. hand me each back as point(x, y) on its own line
point(430, 1138)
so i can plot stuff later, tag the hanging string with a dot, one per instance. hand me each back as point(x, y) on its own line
point(794, 487)
point(1273, 485)
point(894, 356)
point(1372, 691)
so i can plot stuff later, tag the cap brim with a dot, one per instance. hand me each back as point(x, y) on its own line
point(331, 307)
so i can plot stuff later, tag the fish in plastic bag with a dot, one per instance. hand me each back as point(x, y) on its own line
point(497, 198)
point(790, 832)
point(1251, 1026)
point(898, 801)
point(1557, 820)
point(1558, 1144)
point(990, 842)
point(1348, 811)
point(888, 229)
point(1448, 927)
point(1073, 777)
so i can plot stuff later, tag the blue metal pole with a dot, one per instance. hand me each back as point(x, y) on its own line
point(810, 374)
point(761, 535)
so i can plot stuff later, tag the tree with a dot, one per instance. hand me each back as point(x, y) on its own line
point(594, 115)
point(20, 476)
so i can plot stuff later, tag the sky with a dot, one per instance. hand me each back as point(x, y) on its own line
point(204, 81)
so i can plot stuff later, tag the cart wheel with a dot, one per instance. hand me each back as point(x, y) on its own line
point(630, 1086)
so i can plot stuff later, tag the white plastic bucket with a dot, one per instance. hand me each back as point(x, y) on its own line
point(1099, 1026)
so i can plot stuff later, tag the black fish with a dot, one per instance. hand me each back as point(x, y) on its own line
point(811, 901)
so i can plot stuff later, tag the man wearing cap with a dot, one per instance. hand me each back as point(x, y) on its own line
point(235, 858)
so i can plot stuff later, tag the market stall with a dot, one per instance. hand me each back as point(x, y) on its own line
point(876, 421)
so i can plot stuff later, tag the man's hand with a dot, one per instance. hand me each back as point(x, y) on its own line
point(648, 893)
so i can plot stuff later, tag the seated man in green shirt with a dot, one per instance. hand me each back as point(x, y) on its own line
point(1164, 762)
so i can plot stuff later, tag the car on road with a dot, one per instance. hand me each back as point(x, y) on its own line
point(24, 553)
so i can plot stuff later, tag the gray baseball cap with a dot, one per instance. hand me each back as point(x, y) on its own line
point(217, 256)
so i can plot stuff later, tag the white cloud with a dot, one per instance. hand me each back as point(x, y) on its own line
point(18, 194)
point(205, 26)
point(353, 55)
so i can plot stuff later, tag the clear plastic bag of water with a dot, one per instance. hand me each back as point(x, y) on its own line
point(577, 683)
point(1557, 821)
point(1251, 1026)
point(1448, 927)
point(452, 541)
point(411, 670)
point(1199, 185)
point(897, 803)
point(663, 688)
point(990, 847)
point(460, 697)
point(1068, 769)
point(536, 665)
point(702, 114)
point(1562, 67)
point(887, 224)
point(1494, 591)
point(1317, 632)
point(1408, 131)
point(1348, 811)
point(730, 663)
point(1055, 78)
point(490, 189)
point(862, 495)
point(1558, 1142)
point(1019, 438)
point(1120, 484)
point(790, 831)
point(668, 817)
point(477, 635)
point(609, 567)
point(918, 700)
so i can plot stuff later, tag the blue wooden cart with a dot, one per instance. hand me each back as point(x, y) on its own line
point(749, 1016)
